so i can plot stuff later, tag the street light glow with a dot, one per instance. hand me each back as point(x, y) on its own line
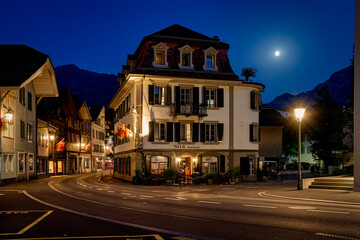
point(299, 113)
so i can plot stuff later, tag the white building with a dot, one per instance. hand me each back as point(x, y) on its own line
point(26, 76)
point(179, 104)
point(97, 135)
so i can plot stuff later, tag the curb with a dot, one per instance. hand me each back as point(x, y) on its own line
point(264, 194)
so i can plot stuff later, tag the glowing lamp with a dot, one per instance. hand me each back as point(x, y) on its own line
point(52, 137)
point(8, 116)
point(299, 113)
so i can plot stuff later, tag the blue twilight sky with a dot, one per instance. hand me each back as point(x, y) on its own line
point(315, 37)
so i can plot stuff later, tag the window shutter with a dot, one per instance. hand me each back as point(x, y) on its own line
point(20, 95)
point(151, 95)
point(168, 96)
point(177, 99)
point(177, 131)
point(195, 137)
point(202, 132)
point(252, 100)
point(196, 100)
point(220, 132)
point(151, 131)
point(220, 97)
point(204, 96)
point(169, 131)
point(251, 132)
point(245, 165)
point(222, 163)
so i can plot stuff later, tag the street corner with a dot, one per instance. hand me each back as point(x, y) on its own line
point(24, 219)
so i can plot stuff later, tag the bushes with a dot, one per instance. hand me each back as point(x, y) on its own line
point(236, 173)
point(137, 179)
point(211, 176)
point(170, 173)
point(346, 170)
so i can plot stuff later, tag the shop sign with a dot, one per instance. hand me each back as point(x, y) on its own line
point(181, 146)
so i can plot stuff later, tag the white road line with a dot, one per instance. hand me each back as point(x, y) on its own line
point(84, 185)
point(146, 196)
point(303, 208)
point(124, 193)
point(154, 229)
point(100, 189)
point(90, 187)
point(335, 236)
point(228, 188)
point(110, 191)
point(258, 206)
point(174, 199)
point(324, 211)
point(209, 202)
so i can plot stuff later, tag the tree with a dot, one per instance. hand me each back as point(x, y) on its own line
point(248, 72)
point(327, 128)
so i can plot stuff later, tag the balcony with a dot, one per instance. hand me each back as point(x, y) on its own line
point(188, 110)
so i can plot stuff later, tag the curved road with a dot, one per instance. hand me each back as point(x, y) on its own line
point(195, 212)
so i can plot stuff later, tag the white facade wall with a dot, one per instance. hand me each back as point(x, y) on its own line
point(28, 147)
point(95, 130)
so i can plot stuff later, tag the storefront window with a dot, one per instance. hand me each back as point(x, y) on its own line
point(31, 162)
point(60, 169)
point(21, 163)
point(158, 164)
point(86, 162)
point(209, 165)
point(51, 166)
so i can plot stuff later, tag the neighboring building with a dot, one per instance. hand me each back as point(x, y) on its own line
point(271, 134)
point(109, 136)
point(45, 147)
point(180, 104)
point(306, 153)
point(97, 135)
point(61, 113)
point(26, 75)
point(85, 161)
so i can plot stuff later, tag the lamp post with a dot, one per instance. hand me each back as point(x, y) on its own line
point(299, 114)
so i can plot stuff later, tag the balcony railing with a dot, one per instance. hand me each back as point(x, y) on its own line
point(188, 109)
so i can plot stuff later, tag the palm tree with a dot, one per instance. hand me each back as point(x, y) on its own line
point(248, 72)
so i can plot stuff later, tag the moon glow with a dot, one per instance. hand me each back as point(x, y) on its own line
point(277, 53)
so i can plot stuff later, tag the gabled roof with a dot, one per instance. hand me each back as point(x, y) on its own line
point(178, 31)
point(271, 117)
point(95, 111)
point(20, 64)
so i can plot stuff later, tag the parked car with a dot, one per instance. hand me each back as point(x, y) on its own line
point(268, 167)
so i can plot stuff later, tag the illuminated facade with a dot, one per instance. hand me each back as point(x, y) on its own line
point(180, 105)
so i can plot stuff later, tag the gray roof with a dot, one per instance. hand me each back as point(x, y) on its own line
point(18, 63)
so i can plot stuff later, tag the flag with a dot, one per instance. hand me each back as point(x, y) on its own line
point(88, 147)
point(60, 146)
point(120, 131)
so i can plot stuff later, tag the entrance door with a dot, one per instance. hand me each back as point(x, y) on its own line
point(185, 167)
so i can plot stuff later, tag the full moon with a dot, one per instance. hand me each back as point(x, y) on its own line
point(277, 53)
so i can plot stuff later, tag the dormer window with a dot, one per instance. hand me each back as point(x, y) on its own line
point(210, 59)
point(186, 57)
point(160, 55)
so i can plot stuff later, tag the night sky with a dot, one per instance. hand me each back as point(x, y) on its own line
point(314, 37)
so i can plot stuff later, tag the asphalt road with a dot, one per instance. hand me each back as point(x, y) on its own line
point(83, 206)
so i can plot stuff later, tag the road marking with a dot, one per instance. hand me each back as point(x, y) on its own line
point(146, 196)
point(258, 206)
point(324, 211)
point(100, 189)
point(335, 236)
point(156, 237)
point(90, 187)
point(264, 194)
point(209, 202)
point(154, 191)
point(124, 193)
point(303, 208)
point(47, 212)
point(84, 185)
point(154, 229)
point(228, 188)
point(174, 199)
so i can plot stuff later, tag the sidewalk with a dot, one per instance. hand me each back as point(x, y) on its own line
point(285, 190)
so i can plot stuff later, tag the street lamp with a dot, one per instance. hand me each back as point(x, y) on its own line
point(8, 117)
point(299, 114)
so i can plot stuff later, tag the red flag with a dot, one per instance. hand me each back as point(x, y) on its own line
point(60, 146)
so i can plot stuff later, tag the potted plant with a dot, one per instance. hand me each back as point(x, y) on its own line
point(236, 174)
point(211, 177)
point(169, 175)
